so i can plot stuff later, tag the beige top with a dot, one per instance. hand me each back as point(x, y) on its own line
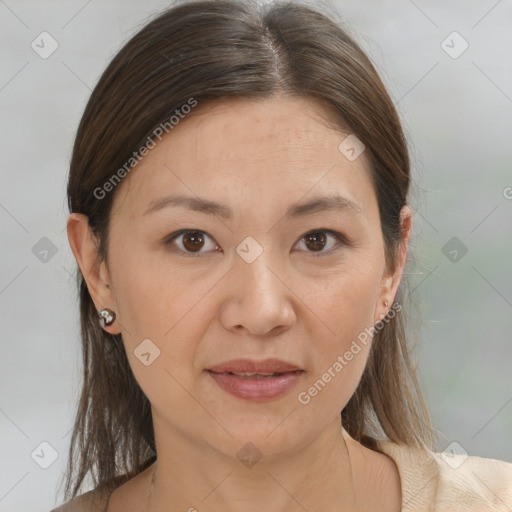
point(429, 484)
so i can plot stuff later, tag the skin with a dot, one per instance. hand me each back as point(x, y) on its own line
point(258, 158)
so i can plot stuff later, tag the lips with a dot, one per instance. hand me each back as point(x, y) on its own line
point(257, 388)
point(256, 380)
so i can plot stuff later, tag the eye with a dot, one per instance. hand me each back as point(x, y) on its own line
point(192, 241)
point(317, 241)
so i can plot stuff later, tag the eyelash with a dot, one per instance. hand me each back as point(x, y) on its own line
point(340, 238)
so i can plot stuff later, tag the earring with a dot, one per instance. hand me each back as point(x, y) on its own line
point(382, 315)
point(108, 317)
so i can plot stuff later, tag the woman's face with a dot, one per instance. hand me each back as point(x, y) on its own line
point(250, 284)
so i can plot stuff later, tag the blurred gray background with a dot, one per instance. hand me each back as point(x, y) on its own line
point(455, 104)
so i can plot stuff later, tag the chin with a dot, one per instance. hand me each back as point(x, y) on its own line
point(267, 438)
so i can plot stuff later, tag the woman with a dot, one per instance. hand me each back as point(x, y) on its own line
point(238, 198)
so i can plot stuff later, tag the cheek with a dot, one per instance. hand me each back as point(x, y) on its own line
point(163, 305)
point(344, 311)
point(151, 295)
point(162, 322)
point(345, 302)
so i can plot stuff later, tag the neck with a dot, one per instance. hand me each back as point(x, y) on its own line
point(191, 477)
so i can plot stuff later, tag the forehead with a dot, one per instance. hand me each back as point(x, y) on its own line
point(253, 149)
point(287, 126)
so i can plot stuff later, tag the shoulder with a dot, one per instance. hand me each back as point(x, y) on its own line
point(91, 501)
point(484, 483)
point(442, 482)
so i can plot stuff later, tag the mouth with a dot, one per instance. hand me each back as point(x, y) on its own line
point(257, 386)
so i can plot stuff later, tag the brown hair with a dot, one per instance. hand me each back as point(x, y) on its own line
point(212, 50)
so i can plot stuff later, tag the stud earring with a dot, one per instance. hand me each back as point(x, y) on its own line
point(108, 317)
point(382, 315)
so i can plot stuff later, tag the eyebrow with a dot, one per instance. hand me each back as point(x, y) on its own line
point(197, 204)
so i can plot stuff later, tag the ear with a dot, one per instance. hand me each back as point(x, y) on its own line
point(391, 280)
point(85, 249)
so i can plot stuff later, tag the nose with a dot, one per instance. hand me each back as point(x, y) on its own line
point(258, 298)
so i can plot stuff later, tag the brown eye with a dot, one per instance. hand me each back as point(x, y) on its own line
point(317, 241)
point(191, 242)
